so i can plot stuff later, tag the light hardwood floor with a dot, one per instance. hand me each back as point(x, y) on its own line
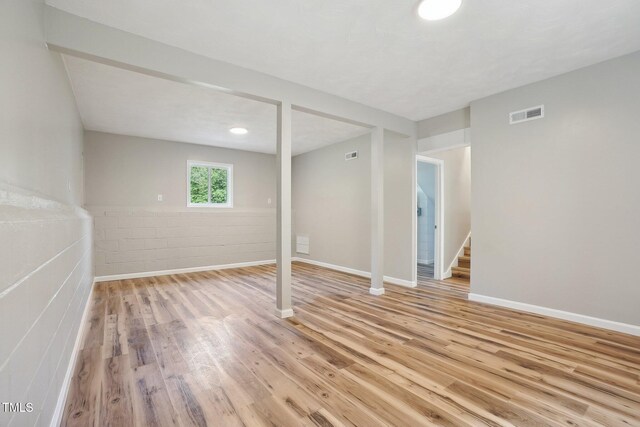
point(425, 271)
point(205, 349)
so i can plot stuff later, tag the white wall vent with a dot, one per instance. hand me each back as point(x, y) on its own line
point(350, 156)
point(526, 114)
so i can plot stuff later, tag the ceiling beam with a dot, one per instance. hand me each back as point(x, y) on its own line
point(77, 36)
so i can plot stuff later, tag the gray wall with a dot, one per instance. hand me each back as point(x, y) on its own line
point(45, 238)
point(332, 199)
point(129, 171)
point(556, 201)
point(135, 233)
point(448, 122)
point(457, 200)
point(399, 158)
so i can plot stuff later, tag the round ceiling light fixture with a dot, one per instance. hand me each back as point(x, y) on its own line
point(433, 10)
point(239, 131)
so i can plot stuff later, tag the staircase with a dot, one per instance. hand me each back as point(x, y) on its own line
point(462, 273)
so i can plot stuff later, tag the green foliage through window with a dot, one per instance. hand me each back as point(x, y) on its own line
point(218, 185)
point(209, 185)
point(199, 187)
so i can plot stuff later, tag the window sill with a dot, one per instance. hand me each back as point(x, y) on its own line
point(210, 205)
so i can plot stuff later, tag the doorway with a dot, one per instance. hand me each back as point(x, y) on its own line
point(429, 217)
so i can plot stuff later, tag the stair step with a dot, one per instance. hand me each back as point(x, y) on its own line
point(467, 251)
point(461, 272)
point(464, 261)
point(458, 280)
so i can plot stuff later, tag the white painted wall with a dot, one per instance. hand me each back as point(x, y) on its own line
point(331, 205)
point(45, 237)
point(134, 233)
point(129, 171)
point(555, 201)
point(445, 123)
point(399, 214)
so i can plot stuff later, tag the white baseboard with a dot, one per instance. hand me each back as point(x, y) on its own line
point(283, 314)
point(559, 314)
point(333, 267)
point(376, 291)
point(56, 418)
point(400, 282)
point(182, 270)
point(388, 279)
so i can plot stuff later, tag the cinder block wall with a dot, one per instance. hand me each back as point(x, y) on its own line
point(139, 240)
point(45, 236)
point(135, 233)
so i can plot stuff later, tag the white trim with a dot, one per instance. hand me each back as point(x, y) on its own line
point(361, 273)
point(335, 267)
point(209, 165)
point(438, 273)
point(283, 314)
point(458, 255)
point(182, 270)
point(400, 282)
point(376, 291)
point(56, 418)
point(559, 314)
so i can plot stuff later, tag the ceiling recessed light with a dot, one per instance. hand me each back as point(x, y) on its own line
point(238, 131)
point(433, 10)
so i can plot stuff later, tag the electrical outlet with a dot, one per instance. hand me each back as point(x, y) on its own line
point(269, 201)
point(159, 197)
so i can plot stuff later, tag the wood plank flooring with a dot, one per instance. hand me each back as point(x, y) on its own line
point(204, 349)
point(425, 271)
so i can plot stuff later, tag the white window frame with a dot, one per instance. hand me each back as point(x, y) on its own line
point(228, 167)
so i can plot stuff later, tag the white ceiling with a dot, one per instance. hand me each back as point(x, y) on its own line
point(124, 102)
point(378, 52)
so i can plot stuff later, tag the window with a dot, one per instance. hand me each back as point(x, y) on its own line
point(209, 185)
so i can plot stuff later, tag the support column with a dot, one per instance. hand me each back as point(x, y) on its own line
point(283, 239)
point(414, 209)
point(377, 211)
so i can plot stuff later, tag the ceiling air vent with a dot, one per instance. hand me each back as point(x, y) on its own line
point(526, 115)
point(350, 156)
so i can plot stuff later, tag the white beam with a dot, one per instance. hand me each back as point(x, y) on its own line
point(77, 36)
point(283, 245)
point(377, 211)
